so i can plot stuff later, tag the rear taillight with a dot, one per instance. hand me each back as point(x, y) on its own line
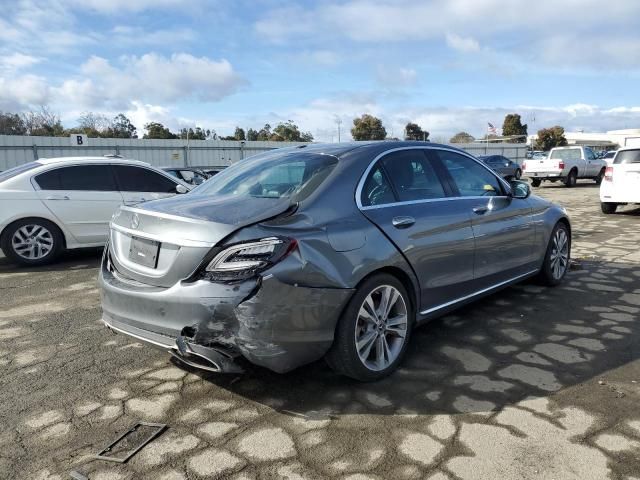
point(524, 166)
point(608, 174)
point(561, 165)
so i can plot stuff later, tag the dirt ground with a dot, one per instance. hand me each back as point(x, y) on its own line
point(530, 383)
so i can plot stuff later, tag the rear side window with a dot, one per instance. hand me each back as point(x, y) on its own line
point(139, 179)
point(377, 189)
point(15, 171)
point(627, 156)
point(412, 176)
point(95, 178)
point(471, 178)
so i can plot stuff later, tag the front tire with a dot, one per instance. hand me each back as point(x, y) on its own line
point(608, 208)
point(373, 331)
point(32, 241)
point(518, 174)
point(556, 259)
point(536, 182)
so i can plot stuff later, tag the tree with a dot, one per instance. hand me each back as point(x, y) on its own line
point(121, 127)
point(513, 126)
point(549, 138)
point(462, 137)
point(43, 123)
point(413, 131)
point(368, 127)
point(289, 132)
point(12, 124)
point(252, 135)
point(198, 134)
point(306, 137)
point(264, 133)
point(239, 134)
point(157, 130)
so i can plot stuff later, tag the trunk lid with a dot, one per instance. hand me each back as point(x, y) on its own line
point(162, 242)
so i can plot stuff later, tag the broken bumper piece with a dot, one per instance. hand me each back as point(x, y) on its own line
point(209, 325)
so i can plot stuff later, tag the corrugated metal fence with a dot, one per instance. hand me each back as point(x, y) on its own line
point(16, 150)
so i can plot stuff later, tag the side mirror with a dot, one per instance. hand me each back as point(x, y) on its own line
point(181, 189)
point(520, 189)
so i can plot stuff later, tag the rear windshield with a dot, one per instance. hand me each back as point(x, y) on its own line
point(12, 172)
point(627, 156)
point(272, 175)
point(567, 154)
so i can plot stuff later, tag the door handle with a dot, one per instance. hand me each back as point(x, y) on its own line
point(403, 222)
point(480, 210)
point(58, 197)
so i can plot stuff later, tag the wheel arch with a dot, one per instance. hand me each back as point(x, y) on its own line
point(403, 277)
point(36, 218)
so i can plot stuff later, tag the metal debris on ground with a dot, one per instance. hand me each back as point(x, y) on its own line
point(77, 475)
point(131, 442)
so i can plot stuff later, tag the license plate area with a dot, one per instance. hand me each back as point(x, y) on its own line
point(144, 252)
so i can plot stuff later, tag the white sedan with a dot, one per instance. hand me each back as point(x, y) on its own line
point(621, 183)
point(50, 205)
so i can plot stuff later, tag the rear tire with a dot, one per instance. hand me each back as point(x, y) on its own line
point(536, 182)
point(370, 341)
point(608, 208)
point(572, 179)
point(599, 178)
point(556, 260)
point(518, 174)
point(32, 241)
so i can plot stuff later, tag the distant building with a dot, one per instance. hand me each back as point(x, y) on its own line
point(607, 140)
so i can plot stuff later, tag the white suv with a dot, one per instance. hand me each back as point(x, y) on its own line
point(54, 204)
point(621, 180)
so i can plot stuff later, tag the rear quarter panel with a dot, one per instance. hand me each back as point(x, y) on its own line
point(545, 217)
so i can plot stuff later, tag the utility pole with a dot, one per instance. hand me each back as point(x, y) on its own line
point(339, 123)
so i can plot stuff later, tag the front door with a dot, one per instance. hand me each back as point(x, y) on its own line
point(502, 226)
point(405, 197)
point(82, 197)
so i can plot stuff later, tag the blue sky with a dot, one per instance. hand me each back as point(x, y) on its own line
point(448, 65)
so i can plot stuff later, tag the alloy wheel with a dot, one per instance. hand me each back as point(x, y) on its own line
point(32, 242)
point(381, 328)
point(559, 257)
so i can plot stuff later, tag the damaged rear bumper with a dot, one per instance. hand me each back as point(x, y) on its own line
point(267, 321)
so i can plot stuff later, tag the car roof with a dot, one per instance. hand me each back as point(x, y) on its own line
point(105, 159)
point(373, 147)
point(625, 149)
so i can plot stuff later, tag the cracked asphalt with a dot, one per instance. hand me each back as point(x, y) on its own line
point(531, 382)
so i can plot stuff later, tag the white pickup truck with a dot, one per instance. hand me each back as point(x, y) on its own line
point(565, 164)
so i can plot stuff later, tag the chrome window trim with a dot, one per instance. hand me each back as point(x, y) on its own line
point(364, 176)
point(475, 294)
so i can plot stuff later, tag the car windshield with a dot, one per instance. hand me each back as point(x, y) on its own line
point(272, 175)
point(12, 172)
point(567, 154)
point(627, 156)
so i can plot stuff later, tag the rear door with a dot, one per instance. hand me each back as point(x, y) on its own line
point(502, 226)
point(626, 176)
point(83, 197)
point(139, 184)
point(405, 197)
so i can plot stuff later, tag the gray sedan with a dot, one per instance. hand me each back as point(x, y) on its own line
point(334, 251)
point(505, 167)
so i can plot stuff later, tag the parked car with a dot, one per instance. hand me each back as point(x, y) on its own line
point(503, 166)
point(278, 261)
point(621, 184)
point(565, 164)
point(539, 155)
point(54, 204)
point(213, 171)
point(192, 176)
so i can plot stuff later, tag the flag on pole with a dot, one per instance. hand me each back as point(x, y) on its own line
point(491, 129)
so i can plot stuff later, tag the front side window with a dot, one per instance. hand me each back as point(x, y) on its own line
point(272, 175)
point(471, 178)
point(627, 156)
point(588, 153)
point(140, 179)
point(96, 178)
point(412, 176)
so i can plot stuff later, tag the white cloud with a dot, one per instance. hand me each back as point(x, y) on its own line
point(126, 35)
point(395, 78)
point(462, 44)
point(21, 92)
point(17, 61)
point(120, 6)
